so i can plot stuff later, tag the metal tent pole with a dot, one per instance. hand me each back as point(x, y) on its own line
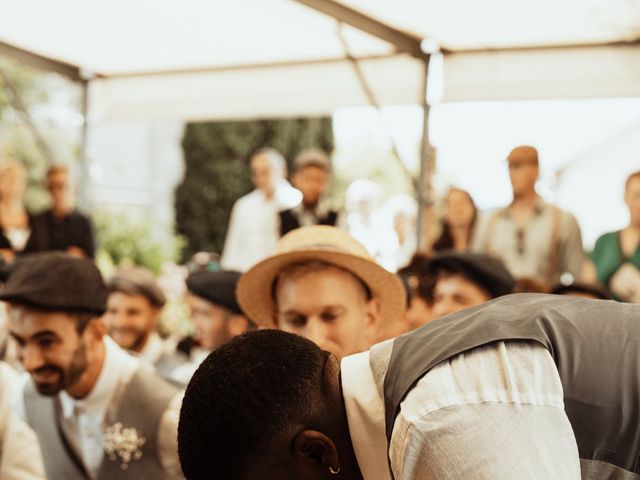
point(84, 180)
point(425, 200)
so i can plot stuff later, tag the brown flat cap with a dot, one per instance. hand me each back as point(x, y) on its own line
point(137, 281)
point(56, 281)
point(312, 157)
point(523, 154)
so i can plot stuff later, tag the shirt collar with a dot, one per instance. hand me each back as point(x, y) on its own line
point(153, 348)
point(365, 416)
point(538, 207)
point(320, 211)
point(99, 398)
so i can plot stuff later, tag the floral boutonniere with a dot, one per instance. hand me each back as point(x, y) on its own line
point(123, 443)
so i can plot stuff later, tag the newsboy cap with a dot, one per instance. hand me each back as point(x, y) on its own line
point(56, 281)
point(137, 281)
point(485, 271)
point(216, 287)
point(312, 157)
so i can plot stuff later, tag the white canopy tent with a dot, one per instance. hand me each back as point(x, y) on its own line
point(242, 59)
point(222, 59)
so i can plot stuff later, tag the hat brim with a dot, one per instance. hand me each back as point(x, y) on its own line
point(255, 296)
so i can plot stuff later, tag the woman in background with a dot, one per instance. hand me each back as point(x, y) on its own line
point(616, 255)
point(15, 222)
point(458, 222)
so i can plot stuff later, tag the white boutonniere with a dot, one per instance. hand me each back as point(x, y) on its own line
point(121, 443)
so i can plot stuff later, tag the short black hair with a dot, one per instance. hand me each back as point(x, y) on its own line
point(241, 397)
point(417, 278)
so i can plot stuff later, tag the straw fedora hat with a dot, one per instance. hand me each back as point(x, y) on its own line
point(320, 243)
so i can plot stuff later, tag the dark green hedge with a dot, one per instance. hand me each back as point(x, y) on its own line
point(217, 171)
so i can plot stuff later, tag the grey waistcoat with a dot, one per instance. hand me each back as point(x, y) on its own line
point(141, 406)
point(595, 346)
point(168, 362)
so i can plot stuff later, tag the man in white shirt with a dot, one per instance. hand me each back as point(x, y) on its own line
point(254, 227)
point(134, 306)
point(526, 386)
point(97, 412)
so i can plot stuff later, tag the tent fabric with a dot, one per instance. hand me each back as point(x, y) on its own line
point(277, 91)
point(229, 59)
point(578, 72)
point(467, 25)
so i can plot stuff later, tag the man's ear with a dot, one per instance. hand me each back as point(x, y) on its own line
point(372, 312)
point(97, 328)
point(238, 324)
point(294, 178)
point(375, 329)
point(315, 454)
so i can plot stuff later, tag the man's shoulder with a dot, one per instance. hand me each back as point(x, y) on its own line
point(74, 215)
point(42, 218)
point(148, 388)
point(78, 216)
point(248, 200)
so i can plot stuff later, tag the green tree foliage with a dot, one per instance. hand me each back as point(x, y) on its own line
point(29, 132)
point(124, 242)
point(217, 170)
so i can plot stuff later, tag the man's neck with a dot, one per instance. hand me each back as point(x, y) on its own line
point(140, 346)
point(89, 377)
point(61, 210)
point(309, 207)
point(269, 194)
point(526, 199)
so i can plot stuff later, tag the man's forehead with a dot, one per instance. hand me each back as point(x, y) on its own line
point(128, 297)
point(197, 301)
point(322, 275)
point(26, 318)
point(262, 160)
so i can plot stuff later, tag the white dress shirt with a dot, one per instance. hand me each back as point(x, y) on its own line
point(155, 347)
point(495, 412)
point(84, 419)
point(254, 228)
point(184, 372)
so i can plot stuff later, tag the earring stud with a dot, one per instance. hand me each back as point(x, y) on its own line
point(334, 471)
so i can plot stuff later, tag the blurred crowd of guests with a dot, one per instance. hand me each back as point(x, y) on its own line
point(539, 243)
point(100, 388)
point(61, 227)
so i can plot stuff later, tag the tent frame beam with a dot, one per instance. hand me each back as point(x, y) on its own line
point(402, 41)
point(40, 62)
